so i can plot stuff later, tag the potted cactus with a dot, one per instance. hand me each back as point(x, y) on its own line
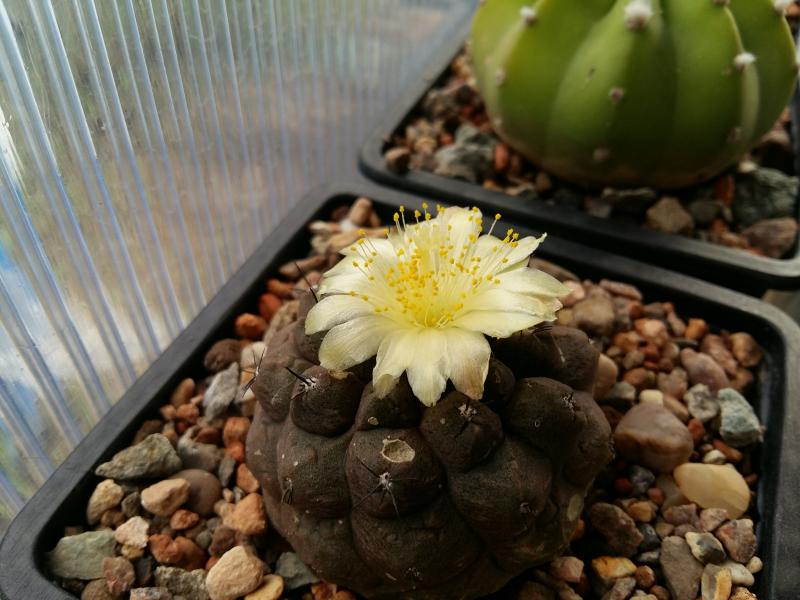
point(404, 454)
point(662, 93)
point(635, 124)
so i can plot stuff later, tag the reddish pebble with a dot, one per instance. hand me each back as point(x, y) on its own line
point(501, 158)
point(235, 430)
point(188, 412)
point(191, 555)
point(211, 562)
point(696, 329)
point(246, 480)
point(645, 577)
point(164, 549)
point(751, 479)
point(656, 495)
point(250, 327)
point(183, 519)
point(268, 305)
point(281, 289)
point(583, 586)
point(623, 486)
point(697, 430)
point(207, 435)
point(580, 529)
point(236, 451)
point(167, 412)
point(732, 454)
point(723, 189)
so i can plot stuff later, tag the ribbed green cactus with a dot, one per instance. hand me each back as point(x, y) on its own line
point(664, 93)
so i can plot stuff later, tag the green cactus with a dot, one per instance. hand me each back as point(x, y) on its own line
point(664, 93)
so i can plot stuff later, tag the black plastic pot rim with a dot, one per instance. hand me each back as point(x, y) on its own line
point(734, 268)
point(38, 525)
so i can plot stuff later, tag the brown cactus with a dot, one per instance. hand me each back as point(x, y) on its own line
point(395, 500)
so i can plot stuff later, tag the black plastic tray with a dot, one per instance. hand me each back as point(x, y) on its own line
point(62, 499)
point(730, 267)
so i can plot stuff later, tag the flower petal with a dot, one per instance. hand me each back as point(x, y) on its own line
point(499, 324)
point(498, 299)
point(525, 247)
point(395, 354)
point(353, 342)
point(333, 310)
point(427, 372)
point(468, 355)
point(534, 282)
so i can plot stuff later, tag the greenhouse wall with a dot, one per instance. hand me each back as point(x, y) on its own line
point(146, 148)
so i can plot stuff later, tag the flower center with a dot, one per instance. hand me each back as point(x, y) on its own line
point(433, 268)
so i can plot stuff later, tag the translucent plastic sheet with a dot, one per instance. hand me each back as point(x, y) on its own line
point(146, 147)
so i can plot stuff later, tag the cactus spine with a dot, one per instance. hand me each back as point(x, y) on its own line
point(665, 93)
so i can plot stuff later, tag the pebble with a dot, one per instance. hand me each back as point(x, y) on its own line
point(652, 397)
point(702, 404)
point(672, 493)
point(151, 593)
point(235, 430)
point(183, 392)
point(610, 568)
point(739, 573)
point(705, 547)
point(621, 396)
point(165, 497)
point(119, 575)
point(250, 327)
point(196, 455)
point(669, 216)
point(271, 589)
point(248, 516)
point(641, 512)
point(204, 490)
point(645, 577)
point(739, 539)
point(701, 368)
point(650, 538)
point(183, 519)
point(246, 480)
point(621, 589)
point(236, 573)
point(745, 349)
point(716, 583)
point(96, 590)
point(715, 347)
point(190, 584)
point(740, 593)
point(774, 236)
point(594, 315)
point(642, 479)
point(652, 436)
point(616, 527)
point(222, 354)
point(755, 564)
point(740, 425)
point(606, 376)
point(132, 532)
point(764, 194)
point(106, 495)
point(294, 572)
point(714, 486)
point(226, 469)
point(81, 556)
point(711, 518)
point(151, 458)
point(531, 590)
point(696, 329)
point(681, 514)
point(714, 457)
point(567, 568)
point(673, 383)
point(681, 570)
point(222, 391)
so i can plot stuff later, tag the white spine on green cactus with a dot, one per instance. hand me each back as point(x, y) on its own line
point(529, 15)
point(638, 14)
point(743, 60)
point(781, 6)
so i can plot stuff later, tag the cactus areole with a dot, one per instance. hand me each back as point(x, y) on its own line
point(662, 93)
point(422, 431)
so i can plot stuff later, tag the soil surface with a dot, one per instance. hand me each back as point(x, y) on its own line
point(752, 206)
point(179, 515)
